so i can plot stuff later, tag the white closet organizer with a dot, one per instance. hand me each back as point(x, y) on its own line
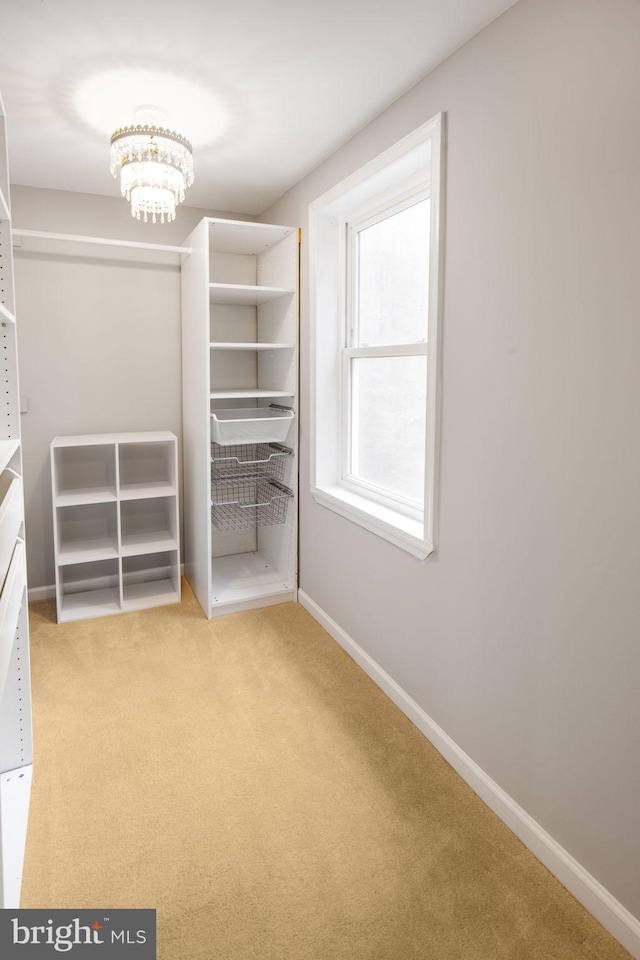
point(240, 384)
point(115, 516)
point(15, 685)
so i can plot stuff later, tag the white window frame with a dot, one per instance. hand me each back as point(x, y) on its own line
point(351, 351)
point(412, 167)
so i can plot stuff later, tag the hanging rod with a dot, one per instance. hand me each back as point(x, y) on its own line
point(40, 235)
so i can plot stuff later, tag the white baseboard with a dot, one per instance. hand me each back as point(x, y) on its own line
point(613, 916)
point(41, 593)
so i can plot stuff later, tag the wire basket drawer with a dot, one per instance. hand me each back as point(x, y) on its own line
point(242, 461)
point(253, 502)
point(250, 425)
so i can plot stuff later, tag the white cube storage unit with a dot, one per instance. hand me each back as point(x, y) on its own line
point(116, 528)
point(15, 684)
point(240, 384)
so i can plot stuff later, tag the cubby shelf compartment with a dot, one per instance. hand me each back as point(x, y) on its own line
point(148, 526)
point(84, 474)
point(150, 580)
point(86, 532)
point(88, 589)
point(146, 469)
point(248, 578)
point(245, 238)
point(115, 505)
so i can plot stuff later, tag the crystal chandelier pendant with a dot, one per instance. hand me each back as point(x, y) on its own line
point(155, 166)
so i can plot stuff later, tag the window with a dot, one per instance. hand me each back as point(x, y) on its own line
point(385, 357)
point(375, 264)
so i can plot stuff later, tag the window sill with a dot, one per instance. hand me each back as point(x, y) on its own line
point(391, 525)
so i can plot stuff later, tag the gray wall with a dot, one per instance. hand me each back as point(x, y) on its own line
point(520, 636)
point(99, 336)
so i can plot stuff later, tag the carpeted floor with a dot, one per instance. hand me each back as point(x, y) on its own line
point(246, 779)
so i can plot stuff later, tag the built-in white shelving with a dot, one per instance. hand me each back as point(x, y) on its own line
point(116, 531)
point(244, 294)
point(247, 393)
point(240, 385)
point(251, 346)
point(15, 685)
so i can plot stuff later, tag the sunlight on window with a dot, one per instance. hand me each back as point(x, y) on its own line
point(389, 403)
point(393, 278)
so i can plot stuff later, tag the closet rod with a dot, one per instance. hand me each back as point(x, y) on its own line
point(159, 247)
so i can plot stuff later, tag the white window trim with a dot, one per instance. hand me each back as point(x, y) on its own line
point(351, 229)
point(404, 162)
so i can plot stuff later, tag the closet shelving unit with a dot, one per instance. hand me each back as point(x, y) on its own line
point(115, 516)
point(15, 685)
point(240, 383)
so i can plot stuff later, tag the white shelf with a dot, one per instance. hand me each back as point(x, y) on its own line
point(7, 449)
point(86, 551)
point(138, 544)
point(109, 439)
point(5, 315)
point(251, 346)
point(90, 603)
point(245, 237)
point(10, 604)
point(4, 207)
point(146, 491)
point(82, 495)
point(240, 294)
point(155, 593)
point(246, 576)
point(11, 519)
point(126, 509)
point(247, 394)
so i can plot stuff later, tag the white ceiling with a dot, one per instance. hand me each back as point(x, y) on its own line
point(265, 89)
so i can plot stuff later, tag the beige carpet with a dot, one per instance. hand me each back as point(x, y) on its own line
point(247, 780)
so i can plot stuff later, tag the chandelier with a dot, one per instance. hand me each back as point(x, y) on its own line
point(155, 166)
